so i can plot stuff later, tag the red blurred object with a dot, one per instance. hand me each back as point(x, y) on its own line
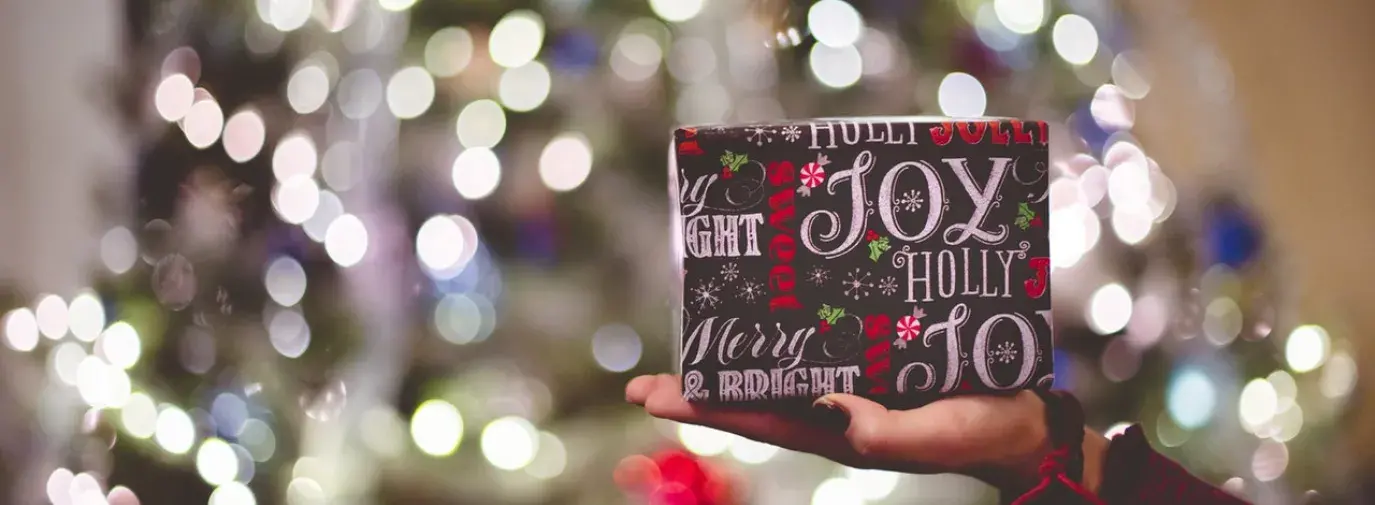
point(637, 473)
point(673, 493)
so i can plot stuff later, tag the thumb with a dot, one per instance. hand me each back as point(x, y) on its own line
point(869, 433)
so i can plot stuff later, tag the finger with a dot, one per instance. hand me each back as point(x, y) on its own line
point(666, 401)
point(871, 430)
point(638, 389)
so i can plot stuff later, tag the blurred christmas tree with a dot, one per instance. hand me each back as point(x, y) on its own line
point(408, 252)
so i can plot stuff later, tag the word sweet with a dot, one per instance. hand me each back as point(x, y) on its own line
point(783, 247)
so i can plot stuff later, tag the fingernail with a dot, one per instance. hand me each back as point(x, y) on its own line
point(830, 415)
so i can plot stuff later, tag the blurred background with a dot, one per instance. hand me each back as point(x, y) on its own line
point(409, 251)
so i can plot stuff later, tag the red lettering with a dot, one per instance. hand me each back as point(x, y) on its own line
point(781, 173)
point(942, 134)
point(1000, 136)
point(787, 302)
point(782, 278)
point(1045, 138)
point(1019, 136)
point(782, 249)
point(783, 210)
point(875, 372)
point(975, 135)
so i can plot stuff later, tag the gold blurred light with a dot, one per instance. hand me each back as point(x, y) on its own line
point(437, 428)
point(1338, 376)
point(676, 11)
point(396, 5)
point(636, 56)
point(550, 460)
point(139, 416)
point(1075, 39)
point(510, 443)
point(448, 51)
point(175, 432)
point(838, 491)
point(233, 493)
point(702, 440)
point(1257, 405)
point(874, 485)
point(216, 462)
point(516, 38)
point(1307, 348)
point(524, 88)
point(1021, 16)
point(120, 345)
point(481, 123)
point(65, 359)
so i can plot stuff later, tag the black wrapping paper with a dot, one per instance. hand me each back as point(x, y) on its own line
point(901, 259)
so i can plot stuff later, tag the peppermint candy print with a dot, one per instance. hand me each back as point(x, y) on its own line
point(909, 327)
point(813, 175)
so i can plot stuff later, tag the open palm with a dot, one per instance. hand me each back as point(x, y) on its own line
point(999, 439)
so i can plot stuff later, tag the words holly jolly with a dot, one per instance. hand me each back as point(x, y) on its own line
point(975, 259)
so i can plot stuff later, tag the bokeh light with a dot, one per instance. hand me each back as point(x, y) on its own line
point(120, 345)
point(476, 173)
point(510, 443)
point(838, 491)
point(51, 314)
point(524, 88)
point(203, 124)
point(481, 123)
point(516, 38)
point(961, 95)
point(1075, 39)
point(1307, 348)
point(285, 280)
point(1191, 398)
point(216, 462)
point(836, 67)
point(448, 51)
point(21, 330)
point(174, 96)
point(1110, 309)
point(174, 431)
point(835, 23)
point(436, 428)
point(676, 11)
point(308, 88)
point(617, 347)
point(1020, 16)
point(565, 162)
point(244, 134)
point(702, 440)
point(410, 92)
point(346, 240)
point(85, 316)
point(295, 155)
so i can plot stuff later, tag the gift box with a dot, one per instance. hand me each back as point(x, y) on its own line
point(900, 259)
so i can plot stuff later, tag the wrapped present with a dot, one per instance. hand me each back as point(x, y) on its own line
point(901, 259)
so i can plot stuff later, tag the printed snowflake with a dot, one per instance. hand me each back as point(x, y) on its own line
point(888, 285)
point(911, 200)
point(706, 295)
point(1005, 352)
point(759, 135)
point(857, 284)
point(791, 133)
point(751, 291)
point(818, 276)
point(730, 272)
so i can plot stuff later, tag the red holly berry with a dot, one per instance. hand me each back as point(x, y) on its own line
point(825, 326)
point(1036, 221)
point(870, 235)
point(726, 173)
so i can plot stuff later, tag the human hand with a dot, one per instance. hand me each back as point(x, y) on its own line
point(998, 439)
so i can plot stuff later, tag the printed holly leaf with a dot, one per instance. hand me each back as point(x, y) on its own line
point(1024, 210)
point(734, 161)
point(1022, 222)
point(830, 314)
point(877, 247)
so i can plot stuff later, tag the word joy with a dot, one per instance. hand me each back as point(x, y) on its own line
point(827, 224)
